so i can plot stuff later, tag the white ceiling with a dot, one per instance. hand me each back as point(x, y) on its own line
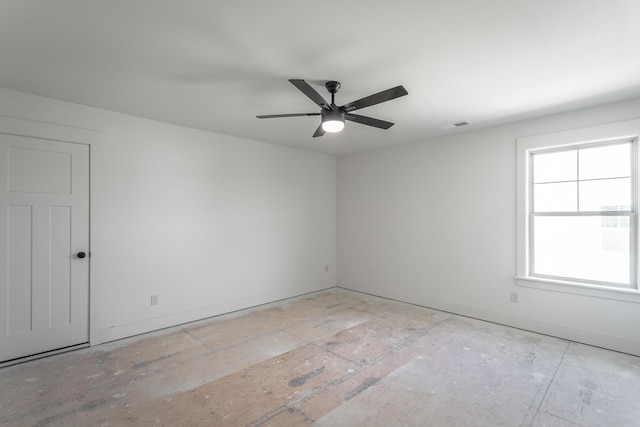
point(215, 65)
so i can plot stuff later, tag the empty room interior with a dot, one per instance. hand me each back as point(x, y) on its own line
point(200, 226)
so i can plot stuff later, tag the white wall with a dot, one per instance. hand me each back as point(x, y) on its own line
point(211, 223)
point(214, 223)
point(434, 223)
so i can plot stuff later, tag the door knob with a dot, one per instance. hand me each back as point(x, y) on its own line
point(81, 255)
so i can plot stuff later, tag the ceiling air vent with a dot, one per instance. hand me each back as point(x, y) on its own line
point(456, 125)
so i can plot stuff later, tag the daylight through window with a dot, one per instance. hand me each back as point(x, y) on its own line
point(582, 224)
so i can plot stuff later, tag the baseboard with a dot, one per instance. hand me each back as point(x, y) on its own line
point(149, 325)
point(610, 342)
point(42, 355)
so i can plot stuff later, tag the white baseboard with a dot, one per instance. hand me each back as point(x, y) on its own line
point(149, 325)
point(570, 333)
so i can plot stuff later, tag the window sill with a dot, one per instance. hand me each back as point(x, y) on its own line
point(620, 294)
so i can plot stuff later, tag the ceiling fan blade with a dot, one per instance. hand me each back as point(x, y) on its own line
point(319, 131)
point(369, 121)
point(311, 93)
point(385, 95)
point(274, 116)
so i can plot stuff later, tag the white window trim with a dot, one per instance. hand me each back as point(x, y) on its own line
point(615, 131)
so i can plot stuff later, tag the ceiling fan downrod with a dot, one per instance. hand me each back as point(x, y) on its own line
point(333, 87)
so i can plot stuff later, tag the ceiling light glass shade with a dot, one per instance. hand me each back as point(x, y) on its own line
point(332, 126)
point(333, 122)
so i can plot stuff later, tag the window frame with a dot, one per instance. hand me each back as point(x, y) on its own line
point(578, 138)
point(631, 214)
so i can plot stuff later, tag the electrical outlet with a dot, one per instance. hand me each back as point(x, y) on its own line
point(154, 299)
point(514, 297)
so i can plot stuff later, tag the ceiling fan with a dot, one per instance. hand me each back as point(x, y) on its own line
point(333, 116)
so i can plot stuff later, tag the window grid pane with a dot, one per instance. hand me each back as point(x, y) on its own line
point(606, 161)
point(555, 197)
point(556, 166)
point(605, 195)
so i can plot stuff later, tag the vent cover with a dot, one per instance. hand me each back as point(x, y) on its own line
point(456, 125)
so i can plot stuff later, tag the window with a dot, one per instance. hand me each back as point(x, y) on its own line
point(581, 214)
point(577, 206)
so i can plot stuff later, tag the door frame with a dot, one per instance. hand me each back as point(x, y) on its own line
point(42, 130)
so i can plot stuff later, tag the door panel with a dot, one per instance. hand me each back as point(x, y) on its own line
point(44, 220)
point(54, 171)
point(19, 272)
point(60, 279)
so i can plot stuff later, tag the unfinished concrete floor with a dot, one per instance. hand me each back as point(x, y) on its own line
point(332, 358)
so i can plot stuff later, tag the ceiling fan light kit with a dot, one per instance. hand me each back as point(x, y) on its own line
point(333, 116)
point(332, 121)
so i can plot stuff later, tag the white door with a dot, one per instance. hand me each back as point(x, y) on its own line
point(44, 245)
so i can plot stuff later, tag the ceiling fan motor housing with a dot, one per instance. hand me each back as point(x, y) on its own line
point(332, 115)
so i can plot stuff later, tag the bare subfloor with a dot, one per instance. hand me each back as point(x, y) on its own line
point(332, 358)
